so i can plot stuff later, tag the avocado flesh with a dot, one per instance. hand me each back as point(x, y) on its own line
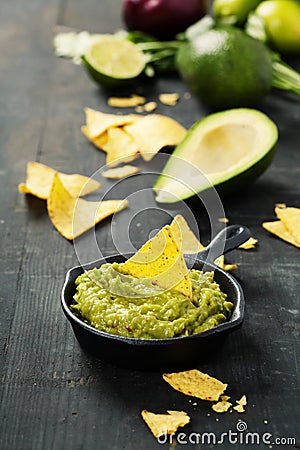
point(225, 150)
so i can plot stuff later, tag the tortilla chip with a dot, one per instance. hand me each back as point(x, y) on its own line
point(99, 141)
point(185, 238)
point(98, 122)
point(196, 384)
point(221, 407)
point(121, 172)
point(169, 99)
point(251, 243)
point(126, 102)
point(155, 131)
point(161, 424)
point(161, 261)
point(278, 229)
point(290, 217)
point(120, 147)
point(73, 216)
point(40, 177)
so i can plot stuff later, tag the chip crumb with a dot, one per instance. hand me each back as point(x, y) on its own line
point(195, 404)
point(147, 107)
point(126, 102)
point(162, 424)
point(228, 267)
point(239, 408)
point(280, 205)
point(222, 406)
point(242, 401)
point(150, 106)
point(265, 422)
point(224, 398)
point(250, 243)
point(139, 109)
point(223, 220)
point(169, 99)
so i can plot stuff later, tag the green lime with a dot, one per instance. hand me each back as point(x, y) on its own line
point(227, 150)
point(226, 68)
point(282, 24)
point(233, 11)
point(113, 61)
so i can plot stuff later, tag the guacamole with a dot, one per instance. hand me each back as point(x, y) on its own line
point(120, 304)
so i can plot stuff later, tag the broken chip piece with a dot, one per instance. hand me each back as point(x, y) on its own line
point(162, 424)
point(222, 406)
point(120, 172)
point(73, 216)
point(169, 99)
point(126, 102)
point(39, 180)
point(147, 107)
point(239, 408)
point(250, 243)
point(242, 401)
point(196, 384)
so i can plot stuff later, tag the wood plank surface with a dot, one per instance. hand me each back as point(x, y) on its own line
point(53, 394)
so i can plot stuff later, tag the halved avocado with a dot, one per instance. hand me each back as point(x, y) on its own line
point(226, 150)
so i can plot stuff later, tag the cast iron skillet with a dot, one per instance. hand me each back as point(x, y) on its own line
point(156, 354)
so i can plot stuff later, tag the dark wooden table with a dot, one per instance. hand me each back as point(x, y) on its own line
point(54, 395)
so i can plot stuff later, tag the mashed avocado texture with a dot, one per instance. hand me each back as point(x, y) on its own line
point(120, 304)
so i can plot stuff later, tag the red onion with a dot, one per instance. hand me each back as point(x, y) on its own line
point(162, 19)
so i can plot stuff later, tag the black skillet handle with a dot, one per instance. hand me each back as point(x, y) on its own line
point(226, 240)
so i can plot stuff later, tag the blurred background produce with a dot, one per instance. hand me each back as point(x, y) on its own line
point(226, 68)
point(277, 22)
point(233, 12)
point(231, 57)
point(162, 19)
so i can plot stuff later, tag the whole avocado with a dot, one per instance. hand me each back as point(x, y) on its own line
point(226, 68)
